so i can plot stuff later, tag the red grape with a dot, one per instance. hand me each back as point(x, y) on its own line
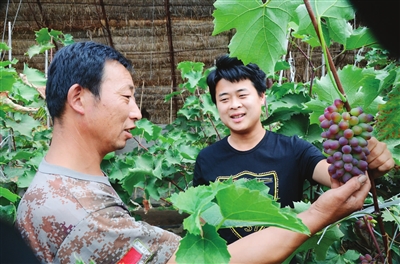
point(345, 140)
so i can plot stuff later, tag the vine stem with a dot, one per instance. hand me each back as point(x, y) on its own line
point(380, 220)
point(328, 54)
point(209, 117)
point(348, 108)
point(371, 233)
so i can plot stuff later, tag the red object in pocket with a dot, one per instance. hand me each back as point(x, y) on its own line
point(132, 256)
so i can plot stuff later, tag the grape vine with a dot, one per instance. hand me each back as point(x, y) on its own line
point(360, 152)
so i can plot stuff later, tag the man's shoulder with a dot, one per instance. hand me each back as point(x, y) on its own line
point(214, 146)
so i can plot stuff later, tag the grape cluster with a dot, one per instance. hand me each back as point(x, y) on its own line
point(361, 223)
point(367, 259)
point(345, 140)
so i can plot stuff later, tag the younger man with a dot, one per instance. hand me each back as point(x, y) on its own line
point(283, 163)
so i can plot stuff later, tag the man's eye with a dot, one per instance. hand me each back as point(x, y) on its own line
point(128, 96)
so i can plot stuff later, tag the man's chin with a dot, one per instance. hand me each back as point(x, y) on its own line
point(121, 146)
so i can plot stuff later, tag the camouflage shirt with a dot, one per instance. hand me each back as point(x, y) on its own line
point(67, 216)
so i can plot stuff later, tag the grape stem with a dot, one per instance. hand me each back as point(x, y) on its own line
point(327, 54)
point(371, 233)
point(379, 218)
point(343, 97)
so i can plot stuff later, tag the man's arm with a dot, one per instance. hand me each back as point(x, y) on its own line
point(380, 161)
point(274, 245)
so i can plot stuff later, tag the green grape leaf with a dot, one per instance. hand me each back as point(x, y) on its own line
point(360, 37)
point(193, 199)
point(144, 162)
point(332, 15)
point(34, 76)
point(281, 66)
point(191, 108)
point(299, 125)
point(38, 49)
point(146, 129)
point(388, 120)
point(43, 36)
point(335, 255)
point(171, 157)
point(26, 94)
point(7, 78)
point(109, 156)
point(261, 29)
point(188, 152)
point(305, 29)
point(6, 193)
point(192, 72)
point(285, 107)
point(362, 87)
point(212, 215)
point(191, 101)
point(208, 105)
point(23, 124)
point(169, 96)
point(143, 167)
point(336, 13)
point(390, 217)
point(119, 171)
point(7, 62)
point(210, 248)
point(255, 185)
point(243, 207)
point(393, 146)
point(4, 46)
point(55, 34)
point(280, 90)
point(192, 224)
point(320, 243)
point(68, 39)
point(25, 177)
point(23, 155)
point(134, 177)
point(158, 167)
point(151, 188)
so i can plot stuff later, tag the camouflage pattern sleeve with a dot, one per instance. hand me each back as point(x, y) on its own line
point(65, 216)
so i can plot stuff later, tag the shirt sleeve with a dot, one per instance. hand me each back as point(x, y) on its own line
point(309, 156)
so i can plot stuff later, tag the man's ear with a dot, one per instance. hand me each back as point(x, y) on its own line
point(263, 98)
point(75, 98)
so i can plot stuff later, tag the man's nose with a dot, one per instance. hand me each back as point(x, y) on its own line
point(235, 103)
point(135, 112)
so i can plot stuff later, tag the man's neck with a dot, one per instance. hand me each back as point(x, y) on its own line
point(71, 151)
point(246, 141)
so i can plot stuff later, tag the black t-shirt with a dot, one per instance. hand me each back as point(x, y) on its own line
point(283, 163)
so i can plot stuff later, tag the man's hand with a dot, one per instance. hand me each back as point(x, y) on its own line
point(380, 159)
point(342, 200)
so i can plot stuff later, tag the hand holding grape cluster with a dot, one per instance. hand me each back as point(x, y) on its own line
point(345, 140)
